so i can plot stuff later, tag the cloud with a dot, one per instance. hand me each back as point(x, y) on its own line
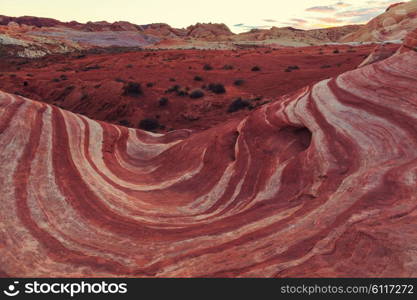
point(330, 20)
point(299, 20)
point(296, 23)
point(359, 12)
point(247, 27)
point(270, 20)
point(381, 3)
point(321, 9)
point(363, 14)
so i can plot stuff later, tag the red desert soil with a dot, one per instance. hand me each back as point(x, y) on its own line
point(93, 85)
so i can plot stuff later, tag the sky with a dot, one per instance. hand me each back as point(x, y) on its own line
point(239, 15)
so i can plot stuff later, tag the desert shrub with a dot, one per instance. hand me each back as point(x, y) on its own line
point(292, 68)
point(207, 67)
point(84, 97)
point(217, 88)
point(182, 93)
point(198, 78)
point(325, 66)
point(237, 105)
point(150, 84)
point(89, 68)
point(174, 88)
point(172, 79)
point(163, 101)
point(129, 66)
point(124, 123)
point(239, 82)
point(132, 89)
point(256, 69)
point(149, 124)
point(228, 67)
point(195, 94)
point(25, 83)
point(336, 51)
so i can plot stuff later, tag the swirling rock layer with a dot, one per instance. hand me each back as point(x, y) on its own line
point(410, 42)
point(394, 24)
point(320, 183)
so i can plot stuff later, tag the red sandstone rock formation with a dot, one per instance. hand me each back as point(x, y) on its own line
point(313, 36)
point(383, 51)
point(410, 42)
point(209, 31)
point(394, 24)
point(163, 30)
point(394, 5)
point(321, 183)
point(380, 52)
point(32, 21)
point(71, 36)
point(89, 26)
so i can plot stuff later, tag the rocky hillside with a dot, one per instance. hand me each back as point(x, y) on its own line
point(394, 24)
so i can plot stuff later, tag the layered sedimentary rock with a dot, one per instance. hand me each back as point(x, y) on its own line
point(381, 52)
point(318, 183)
point(394, 5)
point(36, 37)
point(394, 24)
point(298, 36)
point(32, 21)
point(410, 42)
point(209, 31)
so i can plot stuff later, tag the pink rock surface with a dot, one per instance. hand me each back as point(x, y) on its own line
point(394, 5)
point(320, 183)
point(381, 52)
point(394, 24)
point(410, 41)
